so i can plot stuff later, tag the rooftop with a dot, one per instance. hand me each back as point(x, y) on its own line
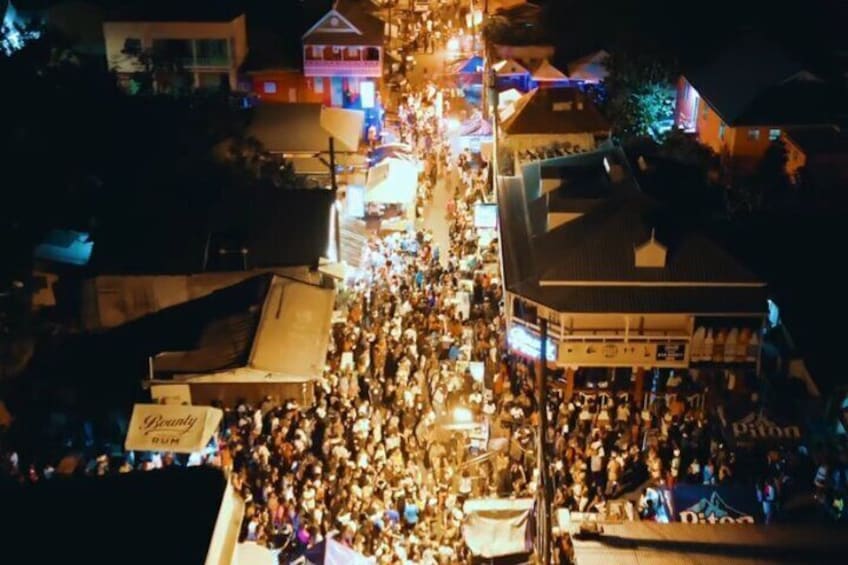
point(554, 111)
point(181, 11)
point(755, 83)
point(350, 22)
point(587, 263)
point(278, 227)
point(819, 140)
point(81, 504)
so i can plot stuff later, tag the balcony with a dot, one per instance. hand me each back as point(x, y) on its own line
point(342, 68)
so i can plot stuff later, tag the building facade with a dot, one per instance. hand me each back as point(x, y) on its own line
point(632, 300)
point(739, 114)
point(343, 56)
point(206, 49)
point(551, 119)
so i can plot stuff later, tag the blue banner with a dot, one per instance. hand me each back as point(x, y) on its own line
point(700, 504)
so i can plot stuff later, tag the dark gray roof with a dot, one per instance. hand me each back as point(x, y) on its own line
point(289, 128)
point(754, 82)
point(629, 299)
point(280, 227)
point(177, 11)
point(599, 247)
point(535, 113)
point(86, 504)
point(819, 140)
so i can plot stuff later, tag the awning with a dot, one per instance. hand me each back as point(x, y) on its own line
point(392, 181)
point(168, 427)
point(294, 329)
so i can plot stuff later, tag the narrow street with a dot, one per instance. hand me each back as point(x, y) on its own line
point(435, 214)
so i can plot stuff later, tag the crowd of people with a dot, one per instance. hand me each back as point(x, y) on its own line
point(417, 386)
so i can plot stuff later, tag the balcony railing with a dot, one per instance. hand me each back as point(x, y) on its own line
point(212, 61)
point(322, 67)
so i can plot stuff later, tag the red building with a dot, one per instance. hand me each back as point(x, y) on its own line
point(342, 61)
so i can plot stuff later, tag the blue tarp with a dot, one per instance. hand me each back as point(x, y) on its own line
point(331, 552)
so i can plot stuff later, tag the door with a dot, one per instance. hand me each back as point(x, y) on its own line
point(336, 92)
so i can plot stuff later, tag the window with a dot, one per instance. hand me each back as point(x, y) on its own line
point(319, 85)
point(774, 134)
point(721, 129)
point(211, 52)
point(372, 54)
point(173, 50)
point(754, 134)
point(705, 112)
point(269, 87)
point(132, 46)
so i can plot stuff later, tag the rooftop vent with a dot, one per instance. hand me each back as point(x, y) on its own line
point(651, 254)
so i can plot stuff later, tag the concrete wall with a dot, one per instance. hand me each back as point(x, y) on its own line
point(115, 35)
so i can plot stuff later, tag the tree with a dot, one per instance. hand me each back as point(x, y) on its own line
point(687, 150)
point(767, 188)
point(639, 97)
point(79, 152)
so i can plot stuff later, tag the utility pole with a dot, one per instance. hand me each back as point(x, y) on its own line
point(335, 189)
point(543, 502)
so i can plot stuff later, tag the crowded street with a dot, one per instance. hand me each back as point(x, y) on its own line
point(428, 401)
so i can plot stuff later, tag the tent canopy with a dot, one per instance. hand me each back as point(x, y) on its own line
point(590, 68)
point(471, 65)
point(331, 552)
point(392, 181)
point(509, 67)
point(546, 72)
point(170, 427)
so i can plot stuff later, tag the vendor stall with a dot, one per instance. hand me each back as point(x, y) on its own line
point(475, 134)
point(390, 192)
point(510, 73)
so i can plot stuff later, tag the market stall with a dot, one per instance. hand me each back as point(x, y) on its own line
point(390, 192)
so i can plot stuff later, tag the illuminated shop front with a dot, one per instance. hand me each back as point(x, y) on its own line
point(632, 303)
